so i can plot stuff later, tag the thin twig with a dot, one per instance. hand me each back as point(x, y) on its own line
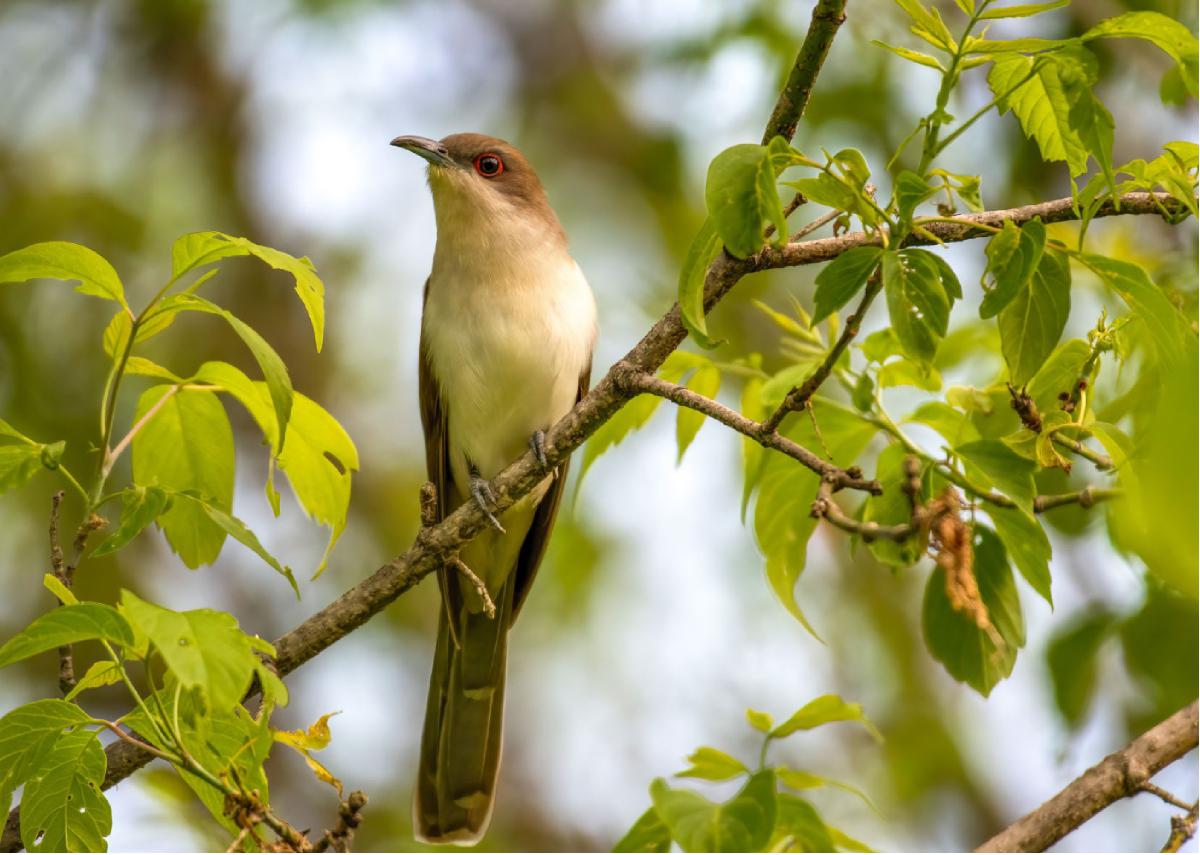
point(349, 818)
point(1085, 498)
point(1166, 795)
point(1101, 461)
point(111, 457)
point(1182, 829)
point(809, 228)
point(1117, 776)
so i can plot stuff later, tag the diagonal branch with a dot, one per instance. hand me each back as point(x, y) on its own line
point(1117, 776)
point(827, 16)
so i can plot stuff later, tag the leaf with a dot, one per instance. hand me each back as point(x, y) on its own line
point(1092, 124)
point(239, 532)
point(1168, 330)
point(1033, 321)
point(1165, 33)
point(996, 465)
point(799, 825)
point(142, 367)
point(629, 418)
point(742, 824)
point(186, 445)
point(63, 808)
point(911, 55)
point(955, 427)
point(315, 738)
point(909, 192)
point(1013, 257)
point(823, 710)
point(27, 734)
point(917, 305)
point(759, 720)
point(55, 586)
point(893, 506)
point(905, 372)
point(68, 261)
point(798, 780)
point(1023, 10)
point(706, 381)
point(881, 344)
point(204, 649)
point(18, 463)
point(704, 248)
point(648, 834)
point(712, 764)
point(741, 198)
point(67, 625)
point(140, 506)
point(782, 522)
point(969, 654)
point(1027, 546)
point(200, 248)
point(1071, 660)
point(103, 672)
point(1058, 374)
point(279, 384)
point(1039, 104)
point(842, 278)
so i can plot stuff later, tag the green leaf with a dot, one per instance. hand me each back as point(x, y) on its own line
point(711, 764)
point(917, 304)
point(911, 55)
point(1165, 33)
point(629, 418)
point(928, 24)
point(742, 824)
point(56, 587)
point(905, 372)
point(63, 808)
point(204, 649)
point(881, 344)
point(706, 381)
point(759, 720)
point(186, 445)
point(798, 780)
point(238, 530)
point(909, 192)
point(103, 672)
point(842, 278)
point(67, 261)
point(27, 734)
point(1071, 660)
point(1040, 105)
point(200, 248)
point(823, 710)
point(648, 834)
point(968, 653)
point(67, 625)
point(279, 384)
point(704, 248)
point(1013, 257)
point(142, 367)
point(741, 198)
point(799, 826)
point(140, 506)
point(18, 463)
point(782, 522)
point(1092, 124)
point(954, 426)
point(1058, 374)
point(994, 464)
point(1023, 10)
point(893, 506)
point(1033, 321)
point(1168, 329)
point(1027, 545)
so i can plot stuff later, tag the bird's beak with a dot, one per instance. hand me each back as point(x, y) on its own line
point(431, 150)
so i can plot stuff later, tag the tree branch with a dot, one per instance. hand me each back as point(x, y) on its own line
point(432, 545)
point(826, 18)
point(1117, 776)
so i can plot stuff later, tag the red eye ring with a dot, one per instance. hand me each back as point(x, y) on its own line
point(489, 164)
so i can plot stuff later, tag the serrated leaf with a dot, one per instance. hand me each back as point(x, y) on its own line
point(712, 764)
point(140, 506)
point(67, 261)
point(968, 653)
point(1165, 33)
point(1033, 321)
point(742, 824)
point(1027, 545)
point(27, 734)
point(824, 710)
point(842, 278)
point(648, 834)
point(63, 808)
point(1013, 258)
point(186, 445)
point(203, 649)
point(200, 248)
point(239, 531)
point(1040, 105)
point(67, 625)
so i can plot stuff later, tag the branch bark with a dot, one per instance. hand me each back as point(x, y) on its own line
point(1117, 776)
point(826, 18)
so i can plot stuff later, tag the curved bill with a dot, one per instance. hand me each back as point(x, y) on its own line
point(431, 150)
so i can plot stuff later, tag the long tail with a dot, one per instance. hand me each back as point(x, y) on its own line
point(460, 745)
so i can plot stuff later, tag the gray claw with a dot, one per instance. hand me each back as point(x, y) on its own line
point(482, 493)
point(537, 442)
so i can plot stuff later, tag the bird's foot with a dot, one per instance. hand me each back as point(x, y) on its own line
point(482, 493)
point(537, 442)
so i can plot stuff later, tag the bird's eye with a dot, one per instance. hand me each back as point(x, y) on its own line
point(489, 165)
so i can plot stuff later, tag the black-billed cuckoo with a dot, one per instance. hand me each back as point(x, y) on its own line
point(506, 349)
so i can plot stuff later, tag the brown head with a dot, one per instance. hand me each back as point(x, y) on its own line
point(474, 175)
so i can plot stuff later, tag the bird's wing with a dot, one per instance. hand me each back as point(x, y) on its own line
point(437, 450)
point(538, 537)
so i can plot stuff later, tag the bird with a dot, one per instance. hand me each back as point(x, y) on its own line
point(507, 331)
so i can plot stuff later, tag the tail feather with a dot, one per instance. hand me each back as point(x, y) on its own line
point(460, 745)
